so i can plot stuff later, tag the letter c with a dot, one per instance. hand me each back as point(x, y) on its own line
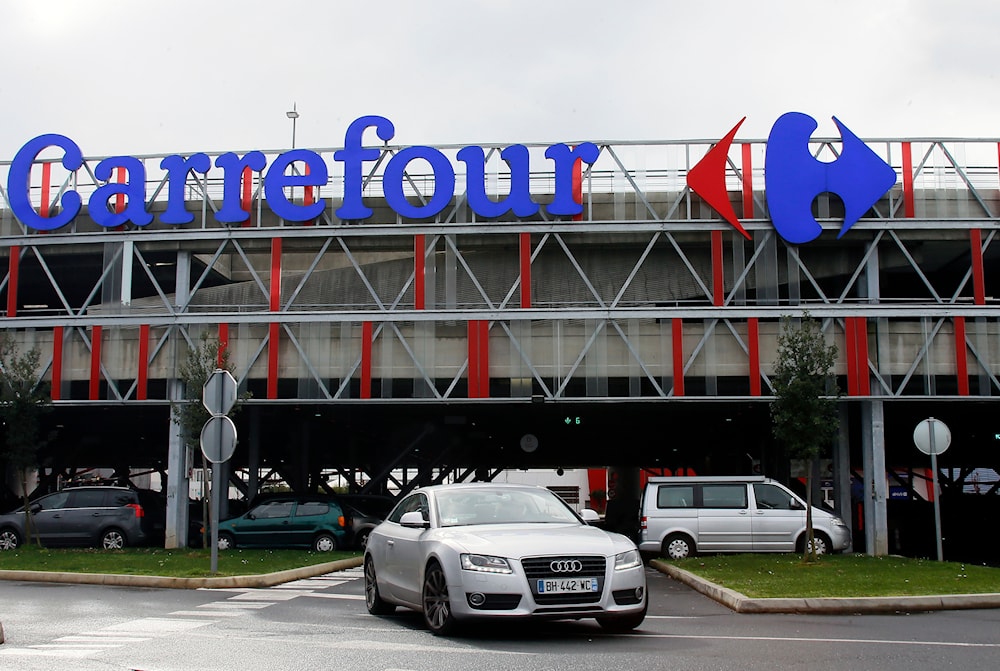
point(19, 183)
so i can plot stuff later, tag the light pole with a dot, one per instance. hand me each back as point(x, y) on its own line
point(293, 115)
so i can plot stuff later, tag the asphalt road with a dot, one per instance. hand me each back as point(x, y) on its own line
point(321, 623)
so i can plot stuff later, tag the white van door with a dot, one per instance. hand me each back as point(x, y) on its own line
point(724, 522)
point(778, 518)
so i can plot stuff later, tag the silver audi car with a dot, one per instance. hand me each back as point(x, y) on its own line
point(481, 550)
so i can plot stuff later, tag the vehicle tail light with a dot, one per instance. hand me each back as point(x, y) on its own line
point(642, 523)
point(342, 522)
point(139, 512)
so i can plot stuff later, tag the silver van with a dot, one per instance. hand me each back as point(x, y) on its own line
point(682, 516)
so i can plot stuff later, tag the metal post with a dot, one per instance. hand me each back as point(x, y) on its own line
point(937, 503)
point(216, 486)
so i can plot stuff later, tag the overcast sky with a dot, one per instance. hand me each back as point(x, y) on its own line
point(134, 77)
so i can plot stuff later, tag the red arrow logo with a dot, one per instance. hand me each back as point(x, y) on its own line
point(708, 179)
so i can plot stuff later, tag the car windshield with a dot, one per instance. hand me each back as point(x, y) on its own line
point(462, 507)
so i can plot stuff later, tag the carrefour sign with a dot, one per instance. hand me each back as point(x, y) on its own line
point(793, 179)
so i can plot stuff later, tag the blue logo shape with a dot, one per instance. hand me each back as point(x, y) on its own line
point(794, 178)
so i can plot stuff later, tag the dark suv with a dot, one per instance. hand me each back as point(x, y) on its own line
point(106, 517)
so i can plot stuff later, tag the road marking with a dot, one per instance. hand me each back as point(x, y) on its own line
point(241, 605)
point(348, 597)
point(855, 641)
point(157, 625)
point(209, 613)
point(416, 647)
point(103, 638)
point(268, 595)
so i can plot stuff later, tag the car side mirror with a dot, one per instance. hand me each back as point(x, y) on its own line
point(589, 515)
point(414, 520)
point(35, 507)
point(795, 504)
point(251, 516)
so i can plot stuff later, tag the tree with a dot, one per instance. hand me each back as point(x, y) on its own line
point(804, 409)
point(24, 399)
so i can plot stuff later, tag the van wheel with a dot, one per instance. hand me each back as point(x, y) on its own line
point(678, 546)
point(820, 542)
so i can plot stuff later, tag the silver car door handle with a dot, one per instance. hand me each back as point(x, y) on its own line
point(390, 542)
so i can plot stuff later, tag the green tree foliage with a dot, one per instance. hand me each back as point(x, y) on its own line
point(24, 399)
point(804, 410)
point(197, 367)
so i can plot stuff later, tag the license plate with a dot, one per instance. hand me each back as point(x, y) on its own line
point(568, 586)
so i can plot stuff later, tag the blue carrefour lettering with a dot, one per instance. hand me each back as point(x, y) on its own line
point(277, 180)
point(232, 211)
point(519, 201)
point(794, 178)
point(395, 173)
point(353, 157)
point(19, 183)
point(178, 168)
point(565, 158)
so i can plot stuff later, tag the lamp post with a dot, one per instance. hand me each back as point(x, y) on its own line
point(293, 115)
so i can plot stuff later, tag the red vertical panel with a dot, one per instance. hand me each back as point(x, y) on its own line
point(419, 270)
point(861, 338)
point(142, 381)
point(578, 187)
point(718, 289)
point(747, 169)
point(223, 343)
point(274, 329)
point(13, 270)
point(366, 359)
point(677, 331)
point(43, 208)
point(852, 357)
point(246, 202)
point(525, 245)
point(57, 357)
point(95, 363)
point(909, 211)
point(753, 345)
point(978, 278)
point(308, 198)
point(961, 360)
point(473, 343)
point(484, 358)
point(120, 197)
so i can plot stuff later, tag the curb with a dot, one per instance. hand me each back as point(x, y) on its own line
point(259, 580)
point(741, 603)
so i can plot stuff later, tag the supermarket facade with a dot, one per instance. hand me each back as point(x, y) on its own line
point(406, 314)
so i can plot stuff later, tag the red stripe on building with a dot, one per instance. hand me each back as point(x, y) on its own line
point(484, 358)
point(861, 337)
point(978, 277)
point(753, 345)
point(852, 356)
point(366, 359)
point(961, 358)
point(57, 358)
point(43, 207)
point(419, 270)
point(909, 210)
point(142, 379)
point(525, 252)
point(677, 333)
point(95, 364)
point(308, 198)
point(578, 187)
point(246, 202)
point(13, 270)
point(274, 329)
point(223, 344)
point(718, 288)
point(747, 169)
point(473, 343)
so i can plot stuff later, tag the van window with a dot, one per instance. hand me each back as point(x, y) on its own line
point(724, 496)
point(770, 497)
point(675, 496)
point(310, 508)
point(87, 498)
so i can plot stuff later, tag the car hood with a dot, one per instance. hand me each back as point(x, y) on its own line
point(525, 540)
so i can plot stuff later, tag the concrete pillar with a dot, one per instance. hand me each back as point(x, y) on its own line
point(875, 486)
point(842, 472)
point(178, 460)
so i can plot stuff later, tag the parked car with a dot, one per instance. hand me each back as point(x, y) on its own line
point(288, 521)
point(462, 552)
point(107, 517)
point(364, 512)
point(682, 516)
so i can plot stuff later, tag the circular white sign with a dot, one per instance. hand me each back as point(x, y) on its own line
point(929, 429)
point(529, 443)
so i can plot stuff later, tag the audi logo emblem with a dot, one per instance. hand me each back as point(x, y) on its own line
point(566, 566)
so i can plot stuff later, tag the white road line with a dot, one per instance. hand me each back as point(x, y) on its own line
point(416, 647)
point(34, 652)
point(268, 595)
point(104, 636)
point(346, 597)
point(853, 641)
point(242, 605)
point(209, 613)
point(156, 625)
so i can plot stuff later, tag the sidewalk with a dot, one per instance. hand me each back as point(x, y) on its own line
point(827, 606)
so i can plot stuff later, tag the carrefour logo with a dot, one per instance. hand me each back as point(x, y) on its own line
point(793, 178)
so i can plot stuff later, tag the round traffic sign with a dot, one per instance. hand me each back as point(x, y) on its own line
point(932, 436)
point(218, 439)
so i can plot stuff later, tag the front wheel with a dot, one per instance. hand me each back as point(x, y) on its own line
point(821, 544)
point(324, 543)
point(373, 600)
point(437, 606)
point(113, 539)
point(9, 539)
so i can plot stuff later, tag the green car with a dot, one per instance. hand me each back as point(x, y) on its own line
point(310, 522)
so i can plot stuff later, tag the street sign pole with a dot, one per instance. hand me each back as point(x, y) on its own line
point(932, 436)
point(937, 501)
point(218, 440)
point(216, 506)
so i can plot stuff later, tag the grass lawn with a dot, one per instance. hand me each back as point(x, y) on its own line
point(183, 563)
point(769, 575)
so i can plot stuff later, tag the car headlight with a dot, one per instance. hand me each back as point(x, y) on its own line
point(486, 564)
point(627, 560)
